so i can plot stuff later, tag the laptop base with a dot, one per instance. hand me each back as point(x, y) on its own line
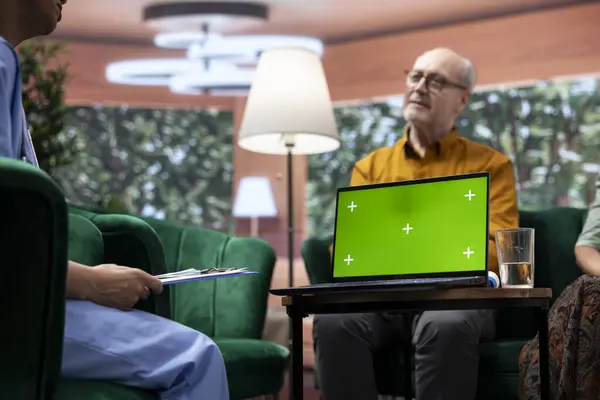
point(392, 284)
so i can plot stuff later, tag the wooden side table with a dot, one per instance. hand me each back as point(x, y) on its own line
point(408, 301)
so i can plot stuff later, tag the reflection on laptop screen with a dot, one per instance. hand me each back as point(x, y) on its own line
point(412, 228)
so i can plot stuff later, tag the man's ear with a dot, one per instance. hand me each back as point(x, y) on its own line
point(464, 99)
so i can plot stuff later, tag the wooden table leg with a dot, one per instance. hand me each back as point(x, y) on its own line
point(542, 317)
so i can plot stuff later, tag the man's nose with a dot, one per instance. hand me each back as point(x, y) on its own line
point(421, 86)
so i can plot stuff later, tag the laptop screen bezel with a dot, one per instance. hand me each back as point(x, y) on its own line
point(457, 274)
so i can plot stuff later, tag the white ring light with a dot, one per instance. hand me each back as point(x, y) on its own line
point(262, 43)
point(222, 55)
point(218, 49)
point(147, 72)
point(224, 80)
point(215, 45)
point(183, 40)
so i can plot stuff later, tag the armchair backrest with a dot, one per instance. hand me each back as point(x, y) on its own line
point(33, 244)
point(556, 232)
point(127, 241)
point(224, 308)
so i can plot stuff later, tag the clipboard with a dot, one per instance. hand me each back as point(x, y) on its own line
point(190, 275)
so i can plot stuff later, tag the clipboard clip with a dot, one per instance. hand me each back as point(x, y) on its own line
point(213, 270)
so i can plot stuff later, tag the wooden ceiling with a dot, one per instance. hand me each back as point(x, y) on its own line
point(330, 20)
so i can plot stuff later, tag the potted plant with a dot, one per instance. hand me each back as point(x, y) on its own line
point(44, 77)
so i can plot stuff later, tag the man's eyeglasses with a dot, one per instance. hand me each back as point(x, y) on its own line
point(433, 82)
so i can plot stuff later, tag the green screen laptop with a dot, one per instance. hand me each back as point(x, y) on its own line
point(429, 232)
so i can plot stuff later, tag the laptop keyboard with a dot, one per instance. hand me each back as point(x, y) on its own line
point(419, 283)
point(394, 282)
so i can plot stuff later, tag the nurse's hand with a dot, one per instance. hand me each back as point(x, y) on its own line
point(120, 287)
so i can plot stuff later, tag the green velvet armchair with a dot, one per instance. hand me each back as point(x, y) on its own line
point(231, 311)
point(33, 244)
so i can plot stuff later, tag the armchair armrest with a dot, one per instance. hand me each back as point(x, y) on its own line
point(241, 303)
point(317, 259)
point(131, 242)
point(86, 245)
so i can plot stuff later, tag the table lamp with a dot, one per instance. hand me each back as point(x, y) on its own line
point(289, 112)
point(254, 200)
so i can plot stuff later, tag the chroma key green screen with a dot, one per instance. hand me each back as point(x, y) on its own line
point(431, 227)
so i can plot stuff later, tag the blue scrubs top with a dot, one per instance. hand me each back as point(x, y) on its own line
point(15, 140)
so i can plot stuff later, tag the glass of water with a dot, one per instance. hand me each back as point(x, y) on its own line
point(516, 257)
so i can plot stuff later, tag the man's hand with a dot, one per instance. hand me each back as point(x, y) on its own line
point(121, 287)
point(111, 285)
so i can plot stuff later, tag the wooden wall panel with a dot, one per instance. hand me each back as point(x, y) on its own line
point(88, 84)
point(532, 46)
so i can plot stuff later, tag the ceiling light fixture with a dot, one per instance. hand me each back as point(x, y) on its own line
point(202, 45)
point(147, 72)
point(223, 80)
point(215, 64)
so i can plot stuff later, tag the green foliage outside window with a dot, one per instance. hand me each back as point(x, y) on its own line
point(162, 163)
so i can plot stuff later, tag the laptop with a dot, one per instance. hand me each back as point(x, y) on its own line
point(411, 234)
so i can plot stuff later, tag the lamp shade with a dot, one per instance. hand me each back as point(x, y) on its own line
point(289, 106)
point(254, 198)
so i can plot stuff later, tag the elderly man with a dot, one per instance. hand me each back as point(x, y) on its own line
point(446, 342)
point(104, 338)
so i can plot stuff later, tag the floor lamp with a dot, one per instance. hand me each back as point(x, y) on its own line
point(254, 200)
point(289, 112)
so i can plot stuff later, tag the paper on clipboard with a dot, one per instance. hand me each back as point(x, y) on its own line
point(192, 274)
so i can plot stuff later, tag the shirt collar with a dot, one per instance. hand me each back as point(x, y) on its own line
point(440, 148)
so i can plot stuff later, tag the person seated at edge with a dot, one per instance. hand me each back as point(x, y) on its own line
point(446, 342)
point(573, 321)
point(101, 340)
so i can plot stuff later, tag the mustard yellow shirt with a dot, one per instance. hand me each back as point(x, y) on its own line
point(452, 155)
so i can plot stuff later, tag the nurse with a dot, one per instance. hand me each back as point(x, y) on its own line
point(104, 337)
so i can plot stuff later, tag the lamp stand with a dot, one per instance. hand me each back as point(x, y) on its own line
point(290, 198)
point(254, 226)
point(289, 144)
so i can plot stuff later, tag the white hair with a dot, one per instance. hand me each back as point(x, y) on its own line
point(468, 74)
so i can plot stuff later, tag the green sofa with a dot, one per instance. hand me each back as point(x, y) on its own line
point(556, 232)
point(33, 244)
point(231, 311)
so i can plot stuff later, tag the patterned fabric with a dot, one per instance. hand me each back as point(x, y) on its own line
point(574, 340)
